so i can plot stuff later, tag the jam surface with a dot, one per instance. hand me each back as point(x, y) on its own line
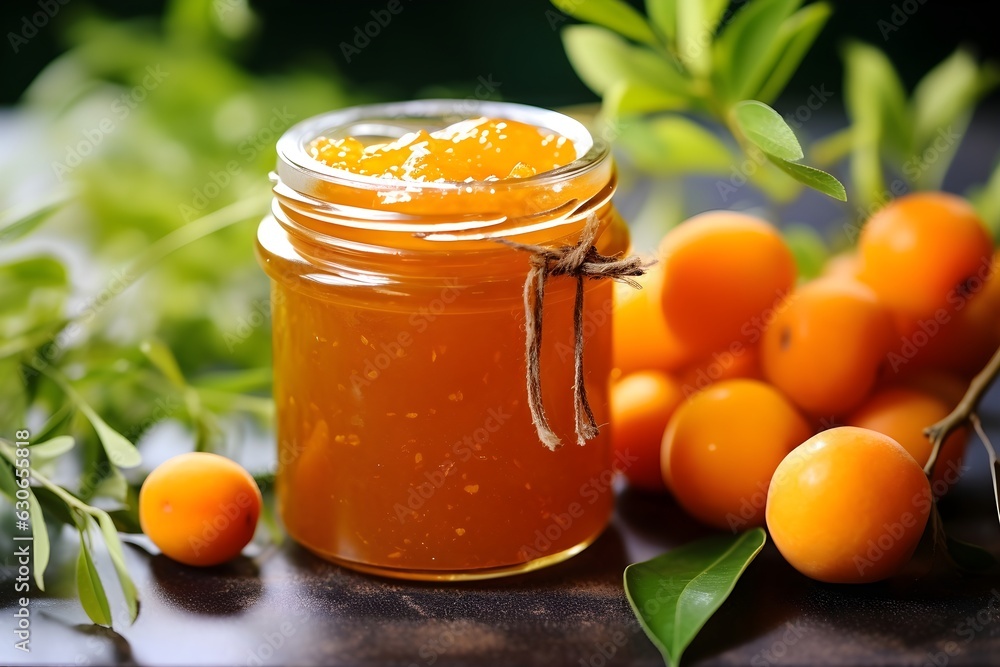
point(478, 149)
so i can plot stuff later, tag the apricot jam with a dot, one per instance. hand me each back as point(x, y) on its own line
point(405, 443)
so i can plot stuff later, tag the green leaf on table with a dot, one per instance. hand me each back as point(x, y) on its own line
point(741, 51)
point(602, 59)
point(121, 452)
point(51, 449)
point(117, 554)
point(795, 37)
point(816, 179)
point(90, 589)
point(663, 14)
point(15, 224)
point(696, 21)
point(808, 248)
point(614, 14)
point(40, 540)
point(675, 594)
point(673, 145)
point(968, 556)
point(767, 130)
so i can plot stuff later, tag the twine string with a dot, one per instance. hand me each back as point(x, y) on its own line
point(578, 261)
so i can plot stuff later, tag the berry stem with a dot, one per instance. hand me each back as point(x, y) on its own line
point(966, 408)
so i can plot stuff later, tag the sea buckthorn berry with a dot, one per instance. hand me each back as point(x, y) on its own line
point(723, 274)
point(641, 338)
point(722, 446)
point(641, 406)
point(849, 505)
point(902, 414)
point(826, 345)
point(919, 250)
point(739, 361)
point(199, 508)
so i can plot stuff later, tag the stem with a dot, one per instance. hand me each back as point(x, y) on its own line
point(963, 412)
point(64, 495)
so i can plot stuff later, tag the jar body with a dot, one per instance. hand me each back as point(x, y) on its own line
point(406, 444)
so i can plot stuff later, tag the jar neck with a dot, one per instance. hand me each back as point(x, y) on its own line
point(345, 223)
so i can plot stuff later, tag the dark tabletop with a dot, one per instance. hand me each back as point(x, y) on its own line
point(288, 607)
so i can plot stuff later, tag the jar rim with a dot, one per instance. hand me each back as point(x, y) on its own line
point(295, 162)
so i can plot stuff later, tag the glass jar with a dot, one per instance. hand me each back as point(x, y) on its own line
point(406, 446)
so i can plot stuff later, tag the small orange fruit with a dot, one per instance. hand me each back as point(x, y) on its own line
point(921, 248)
point(739, 361)
point(849, 505)
point(902, 414)
point(641, 406)
point(641, 338)
point(723, 273)
point(825, 347)
point(199, 508)
point(722, 446)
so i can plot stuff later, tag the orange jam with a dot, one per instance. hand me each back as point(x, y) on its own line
point(480, 149)
point(405, 442)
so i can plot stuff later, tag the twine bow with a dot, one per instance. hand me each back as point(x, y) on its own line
point(578, 261)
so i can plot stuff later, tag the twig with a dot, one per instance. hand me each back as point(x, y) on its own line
point(940, 431)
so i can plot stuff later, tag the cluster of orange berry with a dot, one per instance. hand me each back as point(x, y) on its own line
point(755, 399)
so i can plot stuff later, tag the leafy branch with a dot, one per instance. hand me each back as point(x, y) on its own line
point(689, 61)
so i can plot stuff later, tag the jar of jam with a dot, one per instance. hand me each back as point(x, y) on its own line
point(406, 443)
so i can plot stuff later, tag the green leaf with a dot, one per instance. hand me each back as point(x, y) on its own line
point(946, 93)
point(663, 14)
point(767, 130)
point(673, 144)
point(120, 451)
point(630, 97)
point(741, 50)
point(875, 100)
point(675, 594)
point(90, 589)
point(795, 37)
point(614, 14)
point(50, 450)
point(164, 360)
point(986, 199)
point(40, 541)
point(8, 483)
point(971, 557)
point(602, 59)
point(114, 545)
point(694, 36)
point(15, 224)
point(814, 178)
point(808, 248)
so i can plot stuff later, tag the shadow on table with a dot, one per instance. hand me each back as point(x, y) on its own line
point(223, 590)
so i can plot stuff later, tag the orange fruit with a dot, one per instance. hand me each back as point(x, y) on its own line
point(739, 361)
point(641, 339)
point(849, 505)
point(919, 251)
point(723, 274)
point(825, 347)
point(641, 406)
point(722, 446)
point(902, 414)
point(199, 508)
